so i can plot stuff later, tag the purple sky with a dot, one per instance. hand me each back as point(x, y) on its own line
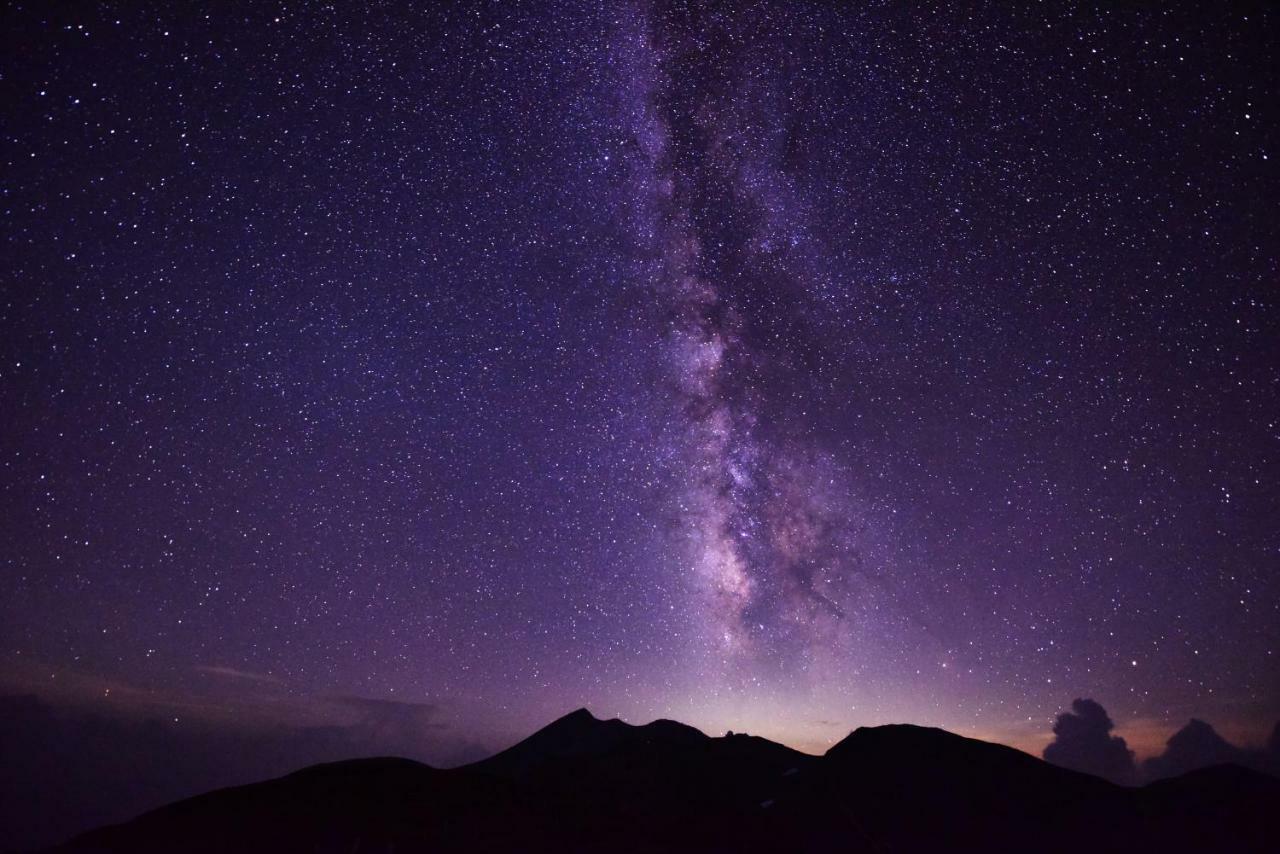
point(782, 369)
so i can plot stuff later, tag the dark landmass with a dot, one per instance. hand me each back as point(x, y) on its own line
point(582, 784)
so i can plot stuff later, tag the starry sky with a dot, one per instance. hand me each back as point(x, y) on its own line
point(776, 366)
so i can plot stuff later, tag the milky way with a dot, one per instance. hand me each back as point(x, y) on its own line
point(723, 252)
point(783, 367)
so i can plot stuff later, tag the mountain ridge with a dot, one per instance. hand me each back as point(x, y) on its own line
point(581, 783)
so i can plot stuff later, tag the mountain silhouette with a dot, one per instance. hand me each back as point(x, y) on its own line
point(580, 738)
point(584, 784)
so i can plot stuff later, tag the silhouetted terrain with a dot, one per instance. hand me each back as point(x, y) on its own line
point(582, 784)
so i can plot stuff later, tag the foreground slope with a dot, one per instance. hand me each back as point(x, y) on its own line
point(582, 784)
point(908, 788)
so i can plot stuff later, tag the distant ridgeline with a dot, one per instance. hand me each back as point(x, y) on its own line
point(582, 784)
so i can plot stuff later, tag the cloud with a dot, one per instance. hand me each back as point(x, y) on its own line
point(1198, 745)
point(233, 673)
point(376, 723)
point(1083, 742)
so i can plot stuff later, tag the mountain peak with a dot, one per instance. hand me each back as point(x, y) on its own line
point(888, 734)
point(579, 717)
point(581, 734)
point(908, 744)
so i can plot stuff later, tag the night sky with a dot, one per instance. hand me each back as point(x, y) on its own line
point(780, 368)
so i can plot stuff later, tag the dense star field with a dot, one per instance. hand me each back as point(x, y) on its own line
point(781, 368)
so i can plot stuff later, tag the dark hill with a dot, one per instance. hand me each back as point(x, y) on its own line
point(366, 804)
point(644, 786)
point(583, 784)
point(580, 738)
